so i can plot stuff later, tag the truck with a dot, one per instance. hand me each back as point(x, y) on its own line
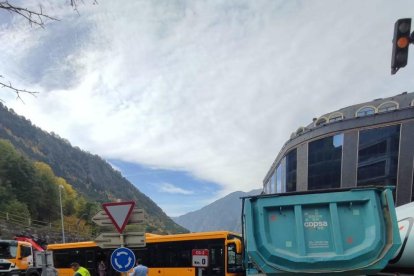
point(351, 231)
point(403, 260)
point(22, 256)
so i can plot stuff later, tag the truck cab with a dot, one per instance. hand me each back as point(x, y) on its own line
point(16, 257)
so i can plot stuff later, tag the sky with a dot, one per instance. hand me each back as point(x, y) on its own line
point(190, 99)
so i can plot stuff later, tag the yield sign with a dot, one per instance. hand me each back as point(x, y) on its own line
point(119, 213)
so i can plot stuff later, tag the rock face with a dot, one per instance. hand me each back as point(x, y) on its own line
point(223, 214)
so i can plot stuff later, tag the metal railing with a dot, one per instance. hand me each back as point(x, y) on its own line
point(26, 224)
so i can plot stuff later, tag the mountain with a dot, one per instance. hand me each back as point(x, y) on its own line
point(89, 174)
point(223, 214)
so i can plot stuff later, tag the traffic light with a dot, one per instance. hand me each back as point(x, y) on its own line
point(400, 42)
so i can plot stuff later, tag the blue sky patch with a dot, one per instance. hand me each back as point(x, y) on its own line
point(176, 192)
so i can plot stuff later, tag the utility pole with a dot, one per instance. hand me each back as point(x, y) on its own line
point(61, 212)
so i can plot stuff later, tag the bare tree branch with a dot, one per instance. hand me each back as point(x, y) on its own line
point(34, 17)
point(74, 4)
point(17, 90)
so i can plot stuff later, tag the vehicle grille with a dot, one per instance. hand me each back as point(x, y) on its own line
point(5, 266)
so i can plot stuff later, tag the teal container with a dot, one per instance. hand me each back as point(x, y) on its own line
point(348, 232)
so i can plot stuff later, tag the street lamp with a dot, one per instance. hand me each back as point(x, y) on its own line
point(61, 212)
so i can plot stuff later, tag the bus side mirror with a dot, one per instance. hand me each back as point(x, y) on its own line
point(237, 244)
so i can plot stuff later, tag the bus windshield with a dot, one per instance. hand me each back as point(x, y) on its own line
point(7, 251)
point(234, 259)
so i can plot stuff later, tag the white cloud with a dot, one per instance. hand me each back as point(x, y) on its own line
point(172, 189)
point(214, 88)
point(116, 168)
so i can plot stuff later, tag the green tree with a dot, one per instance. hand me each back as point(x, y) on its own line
point(23, 182)
point(17, 208)
point(48, 205)
point(17, 175)
point(5, 194)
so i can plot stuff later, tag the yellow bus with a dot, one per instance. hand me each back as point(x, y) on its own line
point(164, 255)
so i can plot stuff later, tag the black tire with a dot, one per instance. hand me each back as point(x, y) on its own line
point(34, 273)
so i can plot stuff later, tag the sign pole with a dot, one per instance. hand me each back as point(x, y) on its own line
point(122, 240)
point(121, 236)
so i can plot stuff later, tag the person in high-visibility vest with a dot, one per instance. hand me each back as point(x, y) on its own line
point(79, 270)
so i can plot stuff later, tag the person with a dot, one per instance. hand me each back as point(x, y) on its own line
point(139, 270)
point(101, 268)
point(79, 270)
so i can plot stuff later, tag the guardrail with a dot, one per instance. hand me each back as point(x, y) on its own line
point(26, 224)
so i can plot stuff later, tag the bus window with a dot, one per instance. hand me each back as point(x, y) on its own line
point(216, 260)
point(61, 259)
point(90, 261)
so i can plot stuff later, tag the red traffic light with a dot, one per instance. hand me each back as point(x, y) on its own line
point(401, 41)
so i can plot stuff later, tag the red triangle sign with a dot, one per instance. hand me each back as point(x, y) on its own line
point(119, 213)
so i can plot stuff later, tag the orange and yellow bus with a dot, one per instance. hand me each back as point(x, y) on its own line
point(164, 255)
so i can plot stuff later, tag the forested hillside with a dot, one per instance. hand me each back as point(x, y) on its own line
point(31, 189)
point(33, 156)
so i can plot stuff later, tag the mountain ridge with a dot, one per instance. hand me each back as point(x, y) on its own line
point(88, 173)
point(222, 214)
